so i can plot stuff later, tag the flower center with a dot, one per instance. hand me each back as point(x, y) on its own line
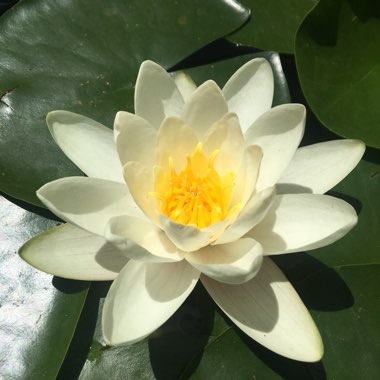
point(197, 196)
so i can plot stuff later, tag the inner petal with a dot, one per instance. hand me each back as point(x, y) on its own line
point(198, 195)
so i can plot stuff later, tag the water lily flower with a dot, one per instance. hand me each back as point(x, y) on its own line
point(201, 183)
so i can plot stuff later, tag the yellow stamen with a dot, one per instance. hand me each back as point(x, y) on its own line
point(197, 196)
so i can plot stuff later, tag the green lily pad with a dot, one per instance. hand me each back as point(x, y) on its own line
point(56, 56)
point(39, 313)
point(338, 61)
point(273, 24)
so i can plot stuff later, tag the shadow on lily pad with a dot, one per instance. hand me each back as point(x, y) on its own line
point(176, 348)
point(69, 286)
point(32, 208)
point(354, 202)
point(286, 368)
point(83, 338)
point(320, 287)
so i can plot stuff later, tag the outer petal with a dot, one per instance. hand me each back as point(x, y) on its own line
point(189, 238)
point(278, 132)
point(185, 84)
point(300, 222)
point(319, 167)
point(177, 140)
point(226, 136)
point(269, 310)
point(232, 263)
point(143, 297)
point(205, 107)
point(70, 252)
point(249, 92)
point(152, 243)
point(87, 202)
point(252, 214)
point(156, 94)
point(87, 143)
point(135, 138)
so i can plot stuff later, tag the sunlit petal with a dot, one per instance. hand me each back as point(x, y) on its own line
point(249, 92)
point(300, 222)
point(87, 143)
point(232, 263)
point(156, 94)
point(88, 203)
point(143, 297)
point(319, 167)
point(70, 252)
point(269, 310)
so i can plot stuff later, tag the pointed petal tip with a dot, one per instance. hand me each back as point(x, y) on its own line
point(54, 116)
point(149, 62)
point(314, 352)
point(358, 145)
point(310, 351)
point(114, 342)
point(49, 117)
point(149, 66)
point(57, 115)
point(257, 62)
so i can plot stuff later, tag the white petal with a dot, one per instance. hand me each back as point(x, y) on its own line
point(89, 144)
point(319, 167)
point(247, 174)
point(156, 94)
point(152, 243)
point(252, 214)
point(300, 222)
point(140, 182)
point(143, 297)
point(205, 107)
point(189, 238)
point(177, 140)
point(232, 263)
point(249, 92)
point(185, 84)
point(226, 136)
point(135, 138)
point(269, 310)
point(87, 202)
point(70, 252)
point(278, 132)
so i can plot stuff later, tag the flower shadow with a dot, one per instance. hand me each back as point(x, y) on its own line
point(83, 338)
point(104, 254)
point(176, 348)
point(321, 289)
point(319, 286)
point(285, 368)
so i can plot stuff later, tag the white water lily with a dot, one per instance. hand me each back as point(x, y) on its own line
point(198, 184)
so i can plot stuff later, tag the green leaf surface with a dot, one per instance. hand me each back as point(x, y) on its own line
point(53, 55)
point(273, 24)
point(38, 313)
point(338, 60)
